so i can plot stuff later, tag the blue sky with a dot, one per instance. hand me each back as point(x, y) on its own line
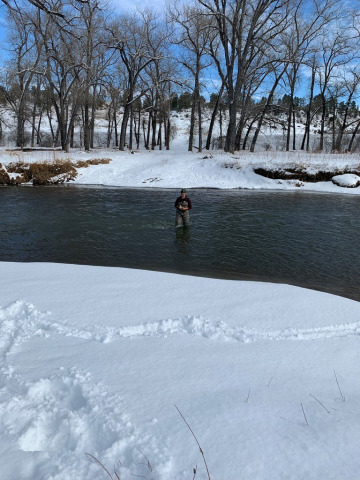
point(2, 24)
point(121, 5)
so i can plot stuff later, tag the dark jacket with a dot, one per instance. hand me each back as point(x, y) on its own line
point(185, 202)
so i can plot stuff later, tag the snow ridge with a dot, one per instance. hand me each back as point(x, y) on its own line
point(198, 326)
point(14, 330)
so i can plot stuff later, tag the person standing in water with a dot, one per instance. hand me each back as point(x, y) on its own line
point(182, 205)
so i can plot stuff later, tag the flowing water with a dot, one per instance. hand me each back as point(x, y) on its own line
point(304, 239)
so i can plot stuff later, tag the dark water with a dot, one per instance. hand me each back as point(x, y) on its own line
point(309, 240)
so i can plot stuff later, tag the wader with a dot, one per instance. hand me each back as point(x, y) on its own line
point(182, 218)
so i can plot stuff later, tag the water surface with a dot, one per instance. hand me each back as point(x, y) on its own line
point(304, 239)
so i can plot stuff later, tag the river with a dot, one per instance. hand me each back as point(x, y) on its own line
point(300, 238)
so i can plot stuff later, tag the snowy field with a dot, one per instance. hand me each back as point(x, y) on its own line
point(94, 359)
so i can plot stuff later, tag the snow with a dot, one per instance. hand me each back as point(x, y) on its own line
point(348, 180)
point(93, 359)
point(177, 168)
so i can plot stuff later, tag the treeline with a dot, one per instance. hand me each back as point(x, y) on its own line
point(260, 62)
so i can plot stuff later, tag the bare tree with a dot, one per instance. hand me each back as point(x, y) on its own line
point(63, 73)
point(296, 43)
point(26, 50)
point(129, 37)
point(309, 20)
point(95, 59)
point(312, 65)
point(192, 36)
point(245, 28)
point(337, 50)
point(343, 115)
point(160, 73)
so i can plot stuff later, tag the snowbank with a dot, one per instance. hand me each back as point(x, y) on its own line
point(93, 359)
point(177, 168)
point(347, 180)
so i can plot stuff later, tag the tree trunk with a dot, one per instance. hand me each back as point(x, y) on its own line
point(92, 120)
point(147, 146)
point(308, 114)
point(131, 128)
point(213, 118)
point(124, 125)
point(86, 126)
point(333, 121)
point(159, 140)
point(246, 138)
point(192, 124)
point(38, 134)
point(231, 130)
point(323, 115)
point(153, 127)
point(353, 136)
point(221, 127)
point(343, 125)
point(294, 128)
point(20, 137)
point(33, 127)
point(72, 133)
point(144, 132)
point(200, 124)
point(290, 120)
point(138, 133)
point(116, 129)
point(109, 129)
point(268, 102)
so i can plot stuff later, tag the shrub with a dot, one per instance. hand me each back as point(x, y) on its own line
point(94, 161)
point(52, 173)
point(45, 173)
point(4, 176)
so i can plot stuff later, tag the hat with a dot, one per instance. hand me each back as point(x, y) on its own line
point(183, 190)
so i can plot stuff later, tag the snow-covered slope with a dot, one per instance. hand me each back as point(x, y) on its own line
point(93, 360)
point(178, 168)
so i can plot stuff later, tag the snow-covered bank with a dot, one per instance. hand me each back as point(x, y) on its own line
point(177, 168)
point(93, 359)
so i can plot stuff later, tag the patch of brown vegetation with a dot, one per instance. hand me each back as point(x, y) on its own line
point(52, 173)
point(302, 175)
point(44, 173)
point(94, 161)
point(4, 176)
point(21, 169)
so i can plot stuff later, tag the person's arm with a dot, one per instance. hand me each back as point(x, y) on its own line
point(189, 204)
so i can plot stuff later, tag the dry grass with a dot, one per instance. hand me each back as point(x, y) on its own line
point(4, 176)
point(94, 161)
point(41, 173)
point(44, 173)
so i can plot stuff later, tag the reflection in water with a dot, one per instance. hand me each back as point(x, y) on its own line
point(309, 240)
point(182, 239)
